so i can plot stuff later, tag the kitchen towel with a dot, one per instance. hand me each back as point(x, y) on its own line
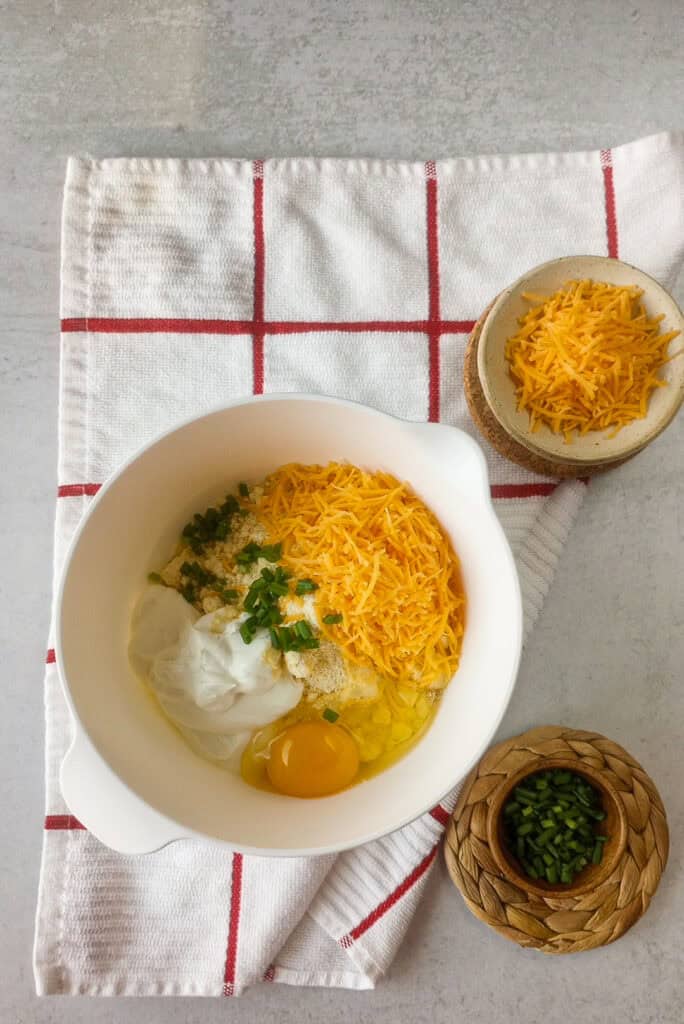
point(186, 283)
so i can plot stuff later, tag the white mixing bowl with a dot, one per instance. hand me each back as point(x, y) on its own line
point(129, 776)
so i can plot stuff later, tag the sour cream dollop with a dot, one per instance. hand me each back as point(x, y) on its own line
point(216, 688)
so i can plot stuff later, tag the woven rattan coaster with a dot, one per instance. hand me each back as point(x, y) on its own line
point(491, 429)
point(554, 923)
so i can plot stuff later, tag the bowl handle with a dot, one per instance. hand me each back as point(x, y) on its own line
point(106, 807)
point(462, 455)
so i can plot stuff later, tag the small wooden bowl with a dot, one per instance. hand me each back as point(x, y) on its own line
point(614, 826)
point(604, 901)
point(596, 447)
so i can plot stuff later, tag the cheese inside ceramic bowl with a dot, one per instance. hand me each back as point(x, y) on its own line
point(502, 322)
point(131, 777)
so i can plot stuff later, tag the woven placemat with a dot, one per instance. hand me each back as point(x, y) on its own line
point(491, 429)
point(570, 923)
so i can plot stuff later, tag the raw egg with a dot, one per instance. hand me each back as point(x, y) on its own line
point(313, 758)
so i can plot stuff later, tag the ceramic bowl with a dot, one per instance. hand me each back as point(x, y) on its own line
point(129, 776)
point(501, 322)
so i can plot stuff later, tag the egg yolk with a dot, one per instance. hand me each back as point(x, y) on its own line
point(313, 759)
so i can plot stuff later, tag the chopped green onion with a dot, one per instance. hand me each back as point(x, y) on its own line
point(330, 715)
point(550, 821)
point(332, 620)
point(305, 587)
point(246, 633)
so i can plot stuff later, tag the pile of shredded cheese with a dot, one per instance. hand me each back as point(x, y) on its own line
point(587, 358)
point(380, 559)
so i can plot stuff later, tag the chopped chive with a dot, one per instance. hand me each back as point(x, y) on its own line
point(246, 633)
point(332, 619)
point(275, 640)
point(330, 715)
point(305, 587)
point(550, 821)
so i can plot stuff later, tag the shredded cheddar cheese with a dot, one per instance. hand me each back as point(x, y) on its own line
point(381, 561)
point(587, 358)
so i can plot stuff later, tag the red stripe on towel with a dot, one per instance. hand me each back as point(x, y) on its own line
point(433, 288)
point(155, 325)
point(259, 272)
point(609, 197)
point(497, 490)
point(60, 822)
point(523, 490)
point(77, 490)
point(391, 900)
point(440, 814)
point(176, 325)
point(233, 926)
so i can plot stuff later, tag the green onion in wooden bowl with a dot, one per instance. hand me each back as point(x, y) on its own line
point(556, 827)
point(551, 825)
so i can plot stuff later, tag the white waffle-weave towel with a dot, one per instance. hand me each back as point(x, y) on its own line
point(187, 283)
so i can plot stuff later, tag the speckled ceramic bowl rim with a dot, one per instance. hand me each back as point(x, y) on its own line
point(543, 443)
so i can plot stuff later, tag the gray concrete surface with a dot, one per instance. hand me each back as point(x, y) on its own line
point(406, 79)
